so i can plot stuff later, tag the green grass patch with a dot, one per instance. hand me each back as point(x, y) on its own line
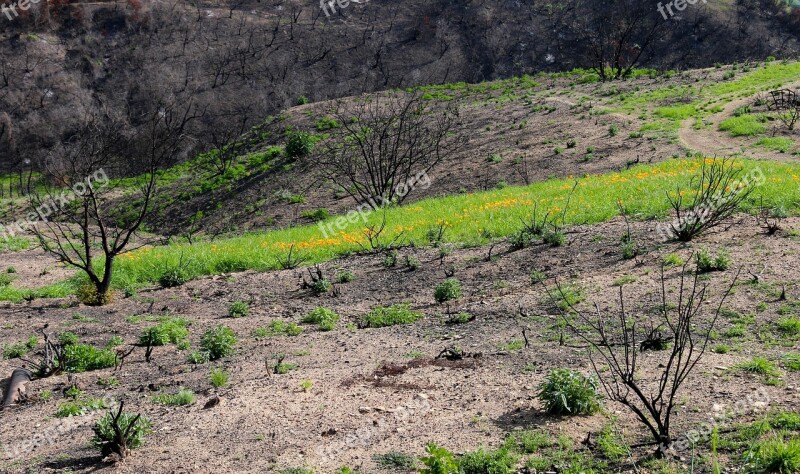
point(384, 316)
point(743, 126)
point(781, 144)
point(472, 217)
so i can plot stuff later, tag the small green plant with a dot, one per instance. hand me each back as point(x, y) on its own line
point(673, 260)
point(613, 130)
point(500, 461)
point(67, 338)
point(528, 442)
point(629, 250)
point(345, 276)
point(791, 361)
point(395, 461)
point(789, 325)
point(238, 309)
point(554, 237)
point(438, 461)
point(19, 349)
point(299, 144)
point(514, 345)
point(183, 397)
point(279, 328)
point(46, 395)
point(218, 378)
point(447, 290)
point(108, 382)
point(168, 331)
point(390, 260)
point(325, 318)
point(173, 277)
point(118, 434)
point(316, 215)
point(282, 368)
point(707, 263)
point(306, 385)
point(412, 262)
point(721, 349)
point(566, 391)
point(460, 318)
point(218, 342)
point(571, 143)
point(537, 277)
point(611, 445)
point(760, 366)
point(302, 100)
point(566, 296)
point(384, 316)
point(776, 455)
point(80, 407)
point(83, 357)
point(624, 280)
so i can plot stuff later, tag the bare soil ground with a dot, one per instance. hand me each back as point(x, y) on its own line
point(381, 390)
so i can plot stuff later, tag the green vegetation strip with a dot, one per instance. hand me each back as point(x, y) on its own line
point(470, 219)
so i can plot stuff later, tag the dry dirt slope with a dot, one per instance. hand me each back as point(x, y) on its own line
point(359, 407)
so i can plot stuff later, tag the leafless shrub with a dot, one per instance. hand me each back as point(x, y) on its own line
point(292, 260)
point(383, 144)
point(615, 342)
point(711, 198)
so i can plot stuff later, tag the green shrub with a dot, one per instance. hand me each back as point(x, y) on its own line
point(299, 144)
point(447, 290)
point(438, 461)
point(390, 260)
point(173, 277)
point(169, 331)
point(500, 461)
point(395, 461)
point(528, 442)
point(673, 259)
point(325, 318)
point(345, 276)
point(327, 123)
point(83, 357)
point(412, 263)
point(613, 130)
point(302, 100)
point(218, 378)
point(5, 280)
point(317, 215)
point(705, 263)
point(566, 391)
point(383, 316)
point(238, 309)
point(279, 328)
point(218, 342)
point(182, 398)
point(67, 338)
point(554, 238)
point(104, 435)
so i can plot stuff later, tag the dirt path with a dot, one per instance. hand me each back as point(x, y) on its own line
point(713, 142)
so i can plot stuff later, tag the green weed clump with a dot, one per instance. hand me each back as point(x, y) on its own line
point(447, 290)
point(105, 436)
point(566, 391)
point(183, 397)
point(325, 318)
point(168, 331)
point(238, 309)
point(384, 316)
point(218, 342)
point(84, 357)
